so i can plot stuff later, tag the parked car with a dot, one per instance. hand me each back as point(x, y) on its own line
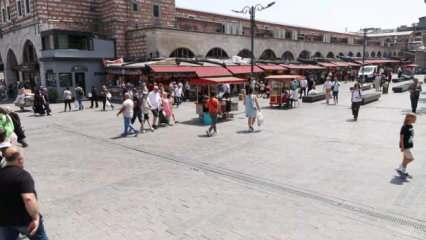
point(368, 72)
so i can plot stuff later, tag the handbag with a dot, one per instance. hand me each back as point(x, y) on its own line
point(260, 119)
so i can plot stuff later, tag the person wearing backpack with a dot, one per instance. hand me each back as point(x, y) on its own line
point(252, 107)
point(356, 100)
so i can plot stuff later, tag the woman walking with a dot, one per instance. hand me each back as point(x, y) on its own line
point(356, 100)
point(67, 99)
point(251, 104)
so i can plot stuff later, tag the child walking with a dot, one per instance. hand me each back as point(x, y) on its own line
point(406, 144)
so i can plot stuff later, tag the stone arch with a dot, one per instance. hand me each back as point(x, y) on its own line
point(217, 53)
point(287, 56)
point(330, 55)
point(350, 54)
point(182, 53)
point(358, 54)
point(373, 54)
point(379, 54)
point(305, 54)
point(12, 75)
point(341, 54)
point(30, 66)
point(268, 54)
point(317, 55)
point(245, 53)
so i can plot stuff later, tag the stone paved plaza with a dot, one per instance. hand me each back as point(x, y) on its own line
point(310, 173)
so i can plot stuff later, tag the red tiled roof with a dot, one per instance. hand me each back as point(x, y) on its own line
point(218, 80)
point(243, 69)
point(271, 67)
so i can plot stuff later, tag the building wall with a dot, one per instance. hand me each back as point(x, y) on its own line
point(166, 41)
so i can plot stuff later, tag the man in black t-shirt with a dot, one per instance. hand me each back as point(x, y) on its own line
point(19, 211)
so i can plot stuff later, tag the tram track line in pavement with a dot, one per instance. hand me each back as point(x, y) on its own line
point(417, 225)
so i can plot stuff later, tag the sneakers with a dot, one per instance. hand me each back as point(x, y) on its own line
point(251, 129)
point(208, 134)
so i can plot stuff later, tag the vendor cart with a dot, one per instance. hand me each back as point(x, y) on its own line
point(207, 85)
point(280, 93)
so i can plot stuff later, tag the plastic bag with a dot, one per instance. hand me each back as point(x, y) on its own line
point(260, 119)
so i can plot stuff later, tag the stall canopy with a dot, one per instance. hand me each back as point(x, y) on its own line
point(378, 61)
point(200, 71)
point(243, 69)
point(327, 65)
point(285, 77)
point(271, 67)
point(218, 80)
point(302, 67)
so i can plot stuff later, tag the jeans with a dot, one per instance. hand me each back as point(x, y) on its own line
point(127, 126)
point(12, 232)
point(80, 104)
point(137, 115)
point(355, 109)
point(414, 101)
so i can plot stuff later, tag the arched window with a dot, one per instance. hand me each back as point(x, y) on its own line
point(217, 53)
point(245, 53)
point(318, 55)
point(358, 54)
point(182, 53)
point(268, 54)
point(379, 54)
point(305, 55)
point(350, 54)
point(373, 54)
point(287, 57)
point(330, 55)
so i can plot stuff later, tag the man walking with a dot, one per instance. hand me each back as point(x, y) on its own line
point(415, 90)
point(154, 102)
point(127, 111)
point(94, 98)
point(18, 203)
point(303, 86)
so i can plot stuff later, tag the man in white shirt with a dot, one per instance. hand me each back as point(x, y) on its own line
point(127, 111)
point(178, 94)
point(154, 103)
point(327, 87)
point(303, 86)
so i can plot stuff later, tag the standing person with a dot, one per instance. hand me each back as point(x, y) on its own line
point(327, 87)
point(94, 98)
point(67, 99)
point(187, 90)
point(251, 104)
point(137, 108)
point(399, 72)
point(406, 143)
point(167, 110)
point(154, 102)
point(127, 111)
point(179, 94)
point(415, 90)
point(213, 108)
point(106, 98)
point(310, 84)
point(377, 82)
point(38, 103)
point(336, 89)
point(303, 86)
point(79, 94)
point(45, 94)
point(356, 100)
point(145, 111)
point(19, 206)
point(17, 125)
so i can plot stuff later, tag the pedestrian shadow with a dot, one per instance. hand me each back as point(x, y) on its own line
point(350, 120)
point(203, 136)
point(248, 131)
point(121, 136)
point(193, 122)
point(397, 180)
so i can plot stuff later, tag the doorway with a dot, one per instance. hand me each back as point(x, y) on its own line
point(80, 80)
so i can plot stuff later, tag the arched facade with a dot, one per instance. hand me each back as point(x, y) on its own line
point(358, 54)
point(268, 54)
point(30, 66)
point(350, 54)
point(182, 53)
point(305, 55)
point(287, 57)
point(217, 53)
point(341, 54)
point(330, 55)
point(317, 55)
point(11, 71)
point(373, 54)
point(379, 54)
point(245, 53)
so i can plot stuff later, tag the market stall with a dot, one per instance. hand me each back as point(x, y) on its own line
point(280, 89)
point(207, 85)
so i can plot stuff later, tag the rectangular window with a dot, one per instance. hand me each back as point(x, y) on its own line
point(27, 6)
point(9, 13)
point(19, 7)
point(3, 14)
point(65, 80)
point(61, 41)
point(156, 11)
point(50, 79)
point(78, 42)
point(45, 41)
point(65, 41)
point(135, 7)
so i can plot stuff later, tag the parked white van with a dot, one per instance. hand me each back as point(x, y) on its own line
point(369, 72)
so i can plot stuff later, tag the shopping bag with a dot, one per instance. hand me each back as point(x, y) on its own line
point(260, 119)
point(207, 119)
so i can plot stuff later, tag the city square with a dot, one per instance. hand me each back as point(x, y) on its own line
point(308, 173)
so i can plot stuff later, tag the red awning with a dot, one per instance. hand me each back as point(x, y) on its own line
point(302, 67)
point(378, 61)
point(271, 67)
point(201, 71)
point(243, 69)
point(411, 65)
point(218, 80)
point(327, 64)
point(285, 77)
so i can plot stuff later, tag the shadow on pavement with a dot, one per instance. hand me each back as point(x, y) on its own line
point(397, 180)
point(248, 132)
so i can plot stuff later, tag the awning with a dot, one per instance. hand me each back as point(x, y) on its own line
point(271, 67)
point(342, 64)
point(378, 61)
point(302, 67)
point(218, 80)
point(200, 71)
point(327, 64)
point(411, 65)
point(243, 69)
point(285, 77)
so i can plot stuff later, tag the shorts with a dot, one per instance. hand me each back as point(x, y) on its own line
point(408, 154)
point(155, 112)
point(146, 116)
point(335, 94)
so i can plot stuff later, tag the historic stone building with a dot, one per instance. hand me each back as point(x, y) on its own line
point(60, 43)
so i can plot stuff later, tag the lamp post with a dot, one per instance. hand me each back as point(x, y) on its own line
point(364, 51)
point(252, 11)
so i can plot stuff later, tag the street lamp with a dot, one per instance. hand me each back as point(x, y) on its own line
point(364, 51)
point(252, 11)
